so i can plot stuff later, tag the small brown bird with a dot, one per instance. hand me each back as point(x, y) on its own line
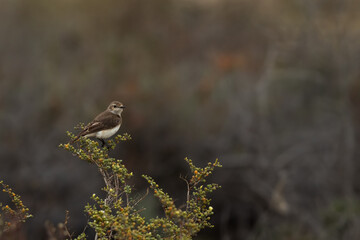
point(105, 125)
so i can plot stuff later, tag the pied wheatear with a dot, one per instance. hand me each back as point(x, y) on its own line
point(104, 125)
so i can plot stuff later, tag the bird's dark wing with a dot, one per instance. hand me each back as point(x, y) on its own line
point(105, 120)
point(91, 128)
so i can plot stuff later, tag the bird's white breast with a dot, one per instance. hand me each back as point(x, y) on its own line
point(107, 133)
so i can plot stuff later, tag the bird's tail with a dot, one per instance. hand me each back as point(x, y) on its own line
point(81, 134)
point(75, 139)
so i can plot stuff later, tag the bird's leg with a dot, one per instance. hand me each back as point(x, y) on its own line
point(102, 142)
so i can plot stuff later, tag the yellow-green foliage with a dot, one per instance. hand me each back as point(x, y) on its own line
point(11, 217)
point(117, 216)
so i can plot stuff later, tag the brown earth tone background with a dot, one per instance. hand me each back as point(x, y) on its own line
point(270, 87)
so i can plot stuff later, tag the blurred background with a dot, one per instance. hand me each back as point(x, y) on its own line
point(270, 87)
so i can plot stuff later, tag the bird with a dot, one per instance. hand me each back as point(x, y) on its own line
point(104, 125)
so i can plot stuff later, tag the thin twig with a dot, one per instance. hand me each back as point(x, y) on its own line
point(188, 192)
point(147, 192)
point(140, 210)
point(65, 224)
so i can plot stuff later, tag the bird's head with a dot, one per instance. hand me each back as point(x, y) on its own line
point(116, 107)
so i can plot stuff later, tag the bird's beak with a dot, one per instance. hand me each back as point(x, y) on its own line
point(122, 107)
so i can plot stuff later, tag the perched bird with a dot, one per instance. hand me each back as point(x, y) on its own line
point(105, 125)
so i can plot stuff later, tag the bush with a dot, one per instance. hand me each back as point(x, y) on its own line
point(11, 217)
point(118, 216)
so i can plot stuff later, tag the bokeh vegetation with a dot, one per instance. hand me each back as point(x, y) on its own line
point(11, 217)
point(271, 87)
